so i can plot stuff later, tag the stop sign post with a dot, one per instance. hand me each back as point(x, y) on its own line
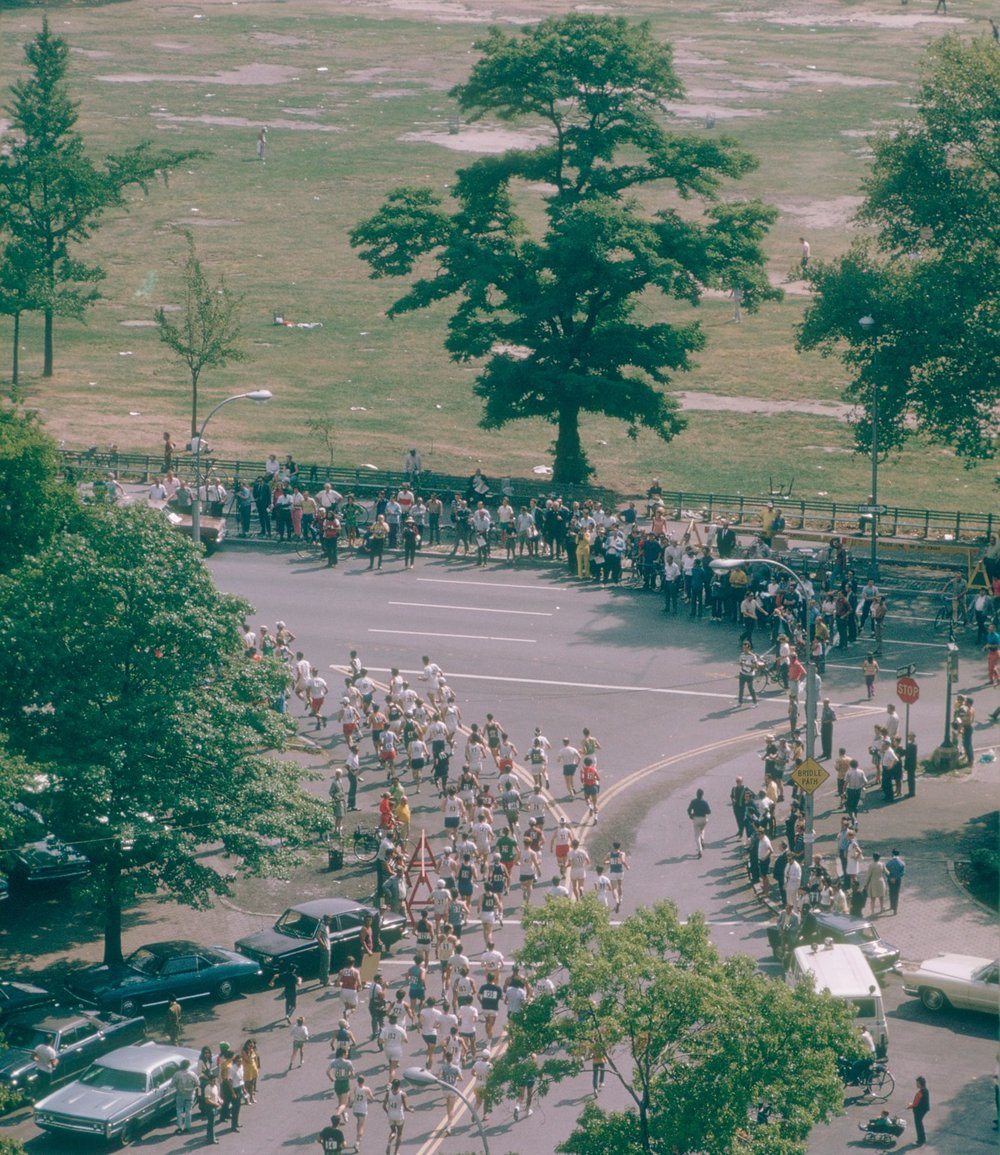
point(907, 691)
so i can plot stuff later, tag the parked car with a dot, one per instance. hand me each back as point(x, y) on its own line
point(41, 858)
point(290, 940)
point(19, 995)
point(820, 925)
point(954, 980)
point(77, 1040)
point(151, 974)
point(119, 1095)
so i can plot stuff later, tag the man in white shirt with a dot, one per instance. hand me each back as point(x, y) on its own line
point(569, 759)
point(392, 1037)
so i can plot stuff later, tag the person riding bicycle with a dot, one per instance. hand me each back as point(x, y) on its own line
point(955, 592)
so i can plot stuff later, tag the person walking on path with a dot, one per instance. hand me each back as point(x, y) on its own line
point(870, 669)
point(895, 868)
point(300, 1036)
point(174, 1021)
point(748, 663)
point(920, 1105)
point(698, 811)
point(288, 979)
point(854, 785)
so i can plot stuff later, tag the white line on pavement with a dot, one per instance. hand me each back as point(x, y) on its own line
point(474, 609)
point(469, 637)
point(498, 585)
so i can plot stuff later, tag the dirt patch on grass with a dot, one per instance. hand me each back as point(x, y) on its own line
point(480, 138)
point(818, 19)
point(246, 76)
point(208, 222)
point(243, 122)
point(276, 40)
point(836, 213)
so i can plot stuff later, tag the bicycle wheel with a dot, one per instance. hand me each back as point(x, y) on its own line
point(942, 620)
point(366, 848)
point(881, 1085)
point(308, 550)
point(761, 680)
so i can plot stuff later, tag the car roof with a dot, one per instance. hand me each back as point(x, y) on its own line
point(45, 1019)
point(143, 1056)
point(177, 946)
point(320, 906)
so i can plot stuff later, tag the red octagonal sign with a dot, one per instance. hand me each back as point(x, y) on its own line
point(907, 690)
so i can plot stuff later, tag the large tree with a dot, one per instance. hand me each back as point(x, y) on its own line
point(52, 194)
point(928, 275)
point(33, 501)
point(128, 687)
point(555, 257)
point(207, 333)
point(695, 1041)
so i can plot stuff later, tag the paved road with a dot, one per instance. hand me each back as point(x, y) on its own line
point(537, 650)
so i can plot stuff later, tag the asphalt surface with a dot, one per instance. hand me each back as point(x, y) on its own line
point(536, 648)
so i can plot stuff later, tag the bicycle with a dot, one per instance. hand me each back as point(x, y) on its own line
point(766, 676)
point(364, 845)
point(950, 615)
point(873, 1076)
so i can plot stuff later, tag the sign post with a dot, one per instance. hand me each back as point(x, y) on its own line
point(907, 691)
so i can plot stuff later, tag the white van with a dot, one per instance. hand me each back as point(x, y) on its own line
point(843, 971)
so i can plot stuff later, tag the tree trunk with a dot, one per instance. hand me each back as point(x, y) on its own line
point(49, 354)
point(194, 404)
point(15, 366)
point(112, 912)
point(570, 466)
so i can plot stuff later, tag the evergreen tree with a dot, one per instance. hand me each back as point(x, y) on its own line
point(52, 194)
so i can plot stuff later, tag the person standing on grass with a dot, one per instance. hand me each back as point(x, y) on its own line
point(869, 670)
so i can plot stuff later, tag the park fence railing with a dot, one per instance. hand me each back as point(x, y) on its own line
point(804, 518)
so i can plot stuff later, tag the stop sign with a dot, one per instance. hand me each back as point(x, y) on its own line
point(907, 690)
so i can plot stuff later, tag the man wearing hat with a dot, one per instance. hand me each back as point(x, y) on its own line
point(411, 540)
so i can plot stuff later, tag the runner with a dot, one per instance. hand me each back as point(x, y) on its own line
point(591, 782)
point(361, 1096)
point(450, 1074)
point(395, 1106)
point(528, 870)
point(392, 1037)
point(569, 759)
point(617, 863)
point(578, 860)
point(560, 845)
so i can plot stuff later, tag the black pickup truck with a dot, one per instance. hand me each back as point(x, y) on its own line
point(76, 1038)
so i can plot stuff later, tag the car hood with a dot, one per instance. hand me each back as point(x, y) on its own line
point(89, 1102)
point(15, 1061)
point(950, 966)
point(270, 941)
point(98, 980)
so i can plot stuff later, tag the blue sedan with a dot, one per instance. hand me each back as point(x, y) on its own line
point(154, 974)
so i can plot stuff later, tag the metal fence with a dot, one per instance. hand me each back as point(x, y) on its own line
point(802, 517)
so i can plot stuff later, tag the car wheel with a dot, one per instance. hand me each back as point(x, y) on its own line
point(130, 1008)
point(933, 999)
point(129, 1134)
point(225, 990)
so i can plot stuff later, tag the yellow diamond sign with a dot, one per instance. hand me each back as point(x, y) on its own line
point(809, 775)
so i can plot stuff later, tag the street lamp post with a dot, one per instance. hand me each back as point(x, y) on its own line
point(258, 395)
point(867, 324)
point(721, 565)
point(422, 1078)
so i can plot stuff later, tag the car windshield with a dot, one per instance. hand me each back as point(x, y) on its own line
point(109, 1079)
point(989, 974)
point(145, 961)
point(296, 925)
point(26, 1036)
point(862, 934)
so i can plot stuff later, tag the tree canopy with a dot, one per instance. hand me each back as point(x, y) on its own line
point(928, 275)
point(696, 1041)
point(207, 332)
point(556, 310)
point(53, 195)
point(130, 692)
point(33, 501)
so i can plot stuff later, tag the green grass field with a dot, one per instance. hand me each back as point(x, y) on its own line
point(350, 93)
